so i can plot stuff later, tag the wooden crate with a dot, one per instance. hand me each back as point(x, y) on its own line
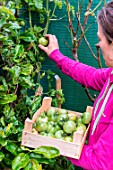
point(68, 149)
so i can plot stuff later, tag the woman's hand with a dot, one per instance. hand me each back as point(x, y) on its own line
point(53, 44)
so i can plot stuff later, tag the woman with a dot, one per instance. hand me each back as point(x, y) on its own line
point(98, 154)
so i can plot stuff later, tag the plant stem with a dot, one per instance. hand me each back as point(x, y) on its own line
point(31, 28)
point(48, 18)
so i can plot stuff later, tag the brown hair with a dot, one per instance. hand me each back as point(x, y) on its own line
point(105, 19)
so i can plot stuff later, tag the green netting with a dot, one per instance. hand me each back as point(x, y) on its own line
point(76, 98)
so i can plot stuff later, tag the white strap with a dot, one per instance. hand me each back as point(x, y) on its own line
point(102, 109)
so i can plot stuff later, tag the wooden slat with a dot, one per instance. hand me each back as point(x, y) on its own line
point(28, 125)
point(46, 105)
point(68, 149)
point(58, 87)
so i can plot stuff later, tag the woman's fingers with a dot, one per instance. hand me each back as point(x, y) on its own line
point(53, 44)
point(50, 37)
point(42, 47)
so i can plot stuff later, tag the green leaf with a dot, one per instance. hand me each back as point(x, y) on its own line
point(41, 159)
point(47, 151)
point(28, 37)
point(11, 147)
point(38, 4)
point(8, 159)
point(3, 141)
point(15, 71)
point(37, 29)
point(19, 49)
point(3, 87)
point(6, 10)
point(32, 165)
point(1, 156)
point(26, 69)
point(31, 56)
point(2, 120)
point(26, 82)
point(20, 161)
point(2, 22)
point(8, 98)
point(14, 25)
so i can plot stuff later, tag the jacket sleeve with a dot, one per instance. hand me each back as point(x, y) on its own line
point(98, 156)
point(86, 75)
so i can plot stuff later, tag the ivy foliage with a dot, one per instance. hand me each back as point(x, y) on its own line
point(21, 90)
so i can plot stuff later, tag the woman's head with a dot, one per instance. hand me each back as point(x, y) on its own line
point(105, 19)
point(105, 33)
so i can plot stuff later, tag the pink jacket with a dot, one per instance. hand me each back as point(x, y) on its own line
point(98, 154)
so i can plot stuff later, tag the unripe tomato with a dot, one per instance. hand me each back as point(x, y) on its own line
point(81, 127)
point(60, 134)
point(34, 131)
point(86, 118)
point(69, 126)
point(43, 41)
point(22, 23)
point(68, 139)
point(72, 116)
point(41, 58)
point(41, 119)
point(51, 135)
point(41, 127)
point(79, 120)
point(62, 118)
point(43, 134)
point(52, 127)
point(62, 111)
point(51, 112)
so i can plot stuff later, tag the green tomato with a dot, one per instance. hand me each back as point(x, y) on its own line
point(43, 114)
point(81, 127)
point(72, 116)
point(52, 127)
point(86, 117)
point(69, 126)
point(43, 133)
point(22, 23)
point(60, 134)
point(51, 135)
point(62, 111)
point(41, 127)
point(68, 138)
point(34, 131)
point(43, 41)
point(53, 118)
point(51, 112)
point(41, 119)
point(41, 58)
point(79, 120)
point(62, 118)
